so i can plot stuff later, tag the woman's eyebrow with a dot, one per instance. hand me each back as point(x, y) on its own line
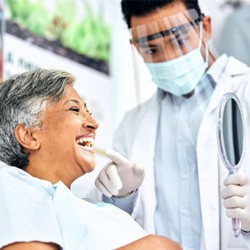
point(83, 104)
point(72, 100)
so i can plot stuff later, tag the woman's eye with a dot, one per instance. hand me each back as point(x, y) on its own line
point(75, 109)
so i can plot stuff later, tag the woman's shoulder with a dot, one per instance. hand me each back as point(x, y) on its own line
point(15, 181)
point(26, 203)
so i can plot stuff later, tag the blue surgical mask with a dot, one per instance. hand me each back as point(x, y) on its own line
point(181, 75)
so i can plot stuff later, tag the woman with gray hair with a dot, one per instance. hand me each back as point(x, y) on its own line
point(47, 135)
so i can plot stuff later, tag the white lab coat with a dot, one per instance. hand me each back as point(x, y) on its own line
point(136, 138)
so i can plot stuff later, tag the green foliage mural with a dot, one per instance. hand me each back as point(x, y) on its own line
point(87, 34)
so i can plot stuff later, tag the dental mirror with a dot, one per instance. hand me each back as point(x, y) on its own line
point(230, 134)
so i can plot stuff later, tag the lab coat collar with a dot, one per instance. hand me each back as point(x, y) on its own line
point(218, 67)
point(223, 71)
point(229, 65)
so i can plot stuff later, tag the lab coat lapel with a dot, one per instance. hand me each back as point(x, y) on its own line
point(207, 160)
point(145, 155)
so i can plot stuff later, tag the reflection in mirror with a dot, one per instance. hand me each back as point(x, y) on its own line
point(231, 139)
point(232, 132)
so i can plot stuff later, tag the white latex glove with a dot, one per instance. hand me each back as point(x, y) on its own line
point(120, 177)
point(236, 195)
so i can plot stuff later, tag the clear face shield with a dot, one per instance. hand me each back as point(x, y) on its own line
point(171, 49)
point(168, 38)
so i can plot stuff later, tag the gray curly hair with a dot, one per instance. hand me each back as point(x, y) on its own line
point(23, 100)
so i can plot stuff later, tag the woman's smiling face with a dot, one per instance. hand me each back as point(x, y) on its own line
point(67, 137)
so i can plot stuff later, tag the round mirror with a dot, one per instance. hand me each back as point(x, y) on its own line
point(231, 139)
point(230, 132)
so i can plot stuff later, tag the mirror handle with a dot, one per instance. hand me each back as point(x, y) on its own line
point(235, 221)
point(236, 227)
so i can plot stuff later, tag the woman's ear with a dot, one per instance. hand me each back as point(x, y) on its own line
point(207, 28)
point(25, 137)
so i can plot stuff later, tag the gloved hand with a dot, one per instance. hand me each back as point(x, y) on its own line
point(120, 177)
point(236, 197)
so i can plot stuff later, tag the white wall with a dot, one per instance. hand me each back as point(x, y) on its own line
point(218, 12)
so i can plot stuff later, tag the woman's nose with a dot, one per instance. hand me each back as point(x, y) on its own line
point(90, 122)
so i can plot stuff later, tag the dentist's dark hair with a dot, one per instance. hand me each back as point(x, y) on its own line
point(23, 100)
point(139, 8)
